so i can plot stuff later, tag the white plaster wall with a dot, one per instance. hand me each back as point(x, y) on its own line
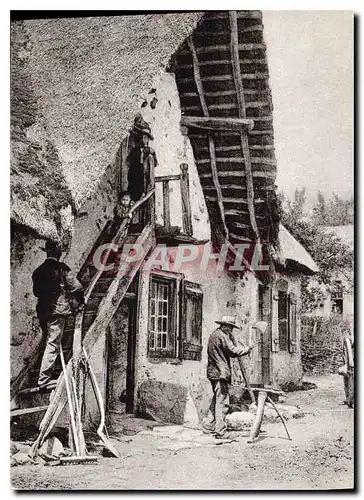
point(172, 149)
point(223, 294)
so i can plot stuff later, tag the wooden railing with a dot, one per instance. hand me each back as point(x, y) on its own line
point(183, 177)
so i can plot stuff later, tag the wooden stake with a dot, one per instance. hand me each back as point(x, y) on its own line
point(262, 396)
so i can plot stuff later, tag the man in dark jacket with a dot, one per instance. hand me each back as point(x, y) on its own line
point(59, 294)
point(220, 349)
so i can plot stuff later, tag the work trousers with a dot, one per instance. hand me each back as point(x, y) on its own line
point(53, 331)
point(219, 406)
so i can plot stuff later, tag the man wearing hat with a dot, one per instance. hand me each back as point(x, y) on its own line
point(220, 349)
point(59, 294)
point(139, 174)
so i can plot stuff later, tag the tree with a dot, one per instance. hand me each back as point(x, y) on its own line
point(329, 252)
point(319, 213)
point(336, 212)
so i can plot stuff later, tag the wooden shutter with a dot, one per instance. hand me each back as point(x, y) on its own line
point(275, 332)
point(292, 346)
point(191, 321)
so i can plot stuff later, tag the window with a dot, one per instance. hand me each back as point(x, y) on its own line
point(283, 320)
point(337, 298)
point(162, 317)
point(191, 321)
point(175, 317)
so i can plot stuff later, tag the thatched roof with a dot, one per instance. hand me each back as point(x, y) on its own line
point(76, 87)
point(292, 254)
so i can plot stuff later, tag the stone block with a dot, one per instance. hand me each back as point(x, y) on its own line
point(21, 458)
point(164, 400)
point(239, 420)
point(13, 448)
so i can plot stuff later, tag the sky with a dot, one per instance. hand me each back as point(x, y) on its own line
point(310, 58)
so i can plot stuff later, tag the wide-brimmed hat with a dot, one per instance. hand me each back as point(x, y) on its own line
point(228, 320)
point(142, 127)
point(51, 246)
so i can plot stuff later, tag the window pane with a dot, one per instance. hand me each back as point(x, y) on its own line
point(164, 325)
point(164, 341)
point(159, 320)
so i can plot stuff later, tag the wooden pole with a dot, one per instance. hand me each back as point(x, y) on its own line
point(59, 399)
point(246, 380)
point(262, 396)
point(166, 206)
point(185, 200)
point(279, 415)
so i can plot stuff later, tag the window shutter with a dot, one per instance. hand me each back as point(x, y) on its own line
point(275, 331)
point(292, 323)
point(191, 321)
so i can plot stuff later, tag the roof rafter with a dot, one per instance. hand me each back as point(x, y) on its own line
point(197, 76)
point(235, 59)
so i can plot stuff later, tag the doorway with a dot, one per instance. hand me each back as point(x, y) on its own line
point(121, 359)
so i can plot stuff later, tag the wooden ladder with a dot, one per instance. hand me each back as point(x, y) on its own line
point(107, 308)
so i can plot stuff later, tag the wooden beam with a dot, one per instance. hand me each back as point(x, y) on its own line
point(196, 72)
point(254, 159)
point(217, 62)
point(234, 187)
point(166, 206)
point(220, 123)
point(236, 148)
point(222, 93)
point(163, 178)
point(197, 76)
point(26, 411)
point(234, 47)
point(237, 173)
point(225, 48)
point(241, 14)
point(185, 199)
point(117, 290)
point(228, 199)
point(226, 78)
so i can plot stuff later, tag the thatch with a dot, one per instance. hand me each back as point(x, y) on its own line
point(292, 252)
point(76, 87)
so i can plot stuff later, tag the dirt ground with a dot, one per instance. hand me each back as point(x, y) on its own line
point(320, 456)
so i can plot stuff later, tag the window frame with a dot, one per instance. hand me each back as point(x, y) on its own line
point(172, 319)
